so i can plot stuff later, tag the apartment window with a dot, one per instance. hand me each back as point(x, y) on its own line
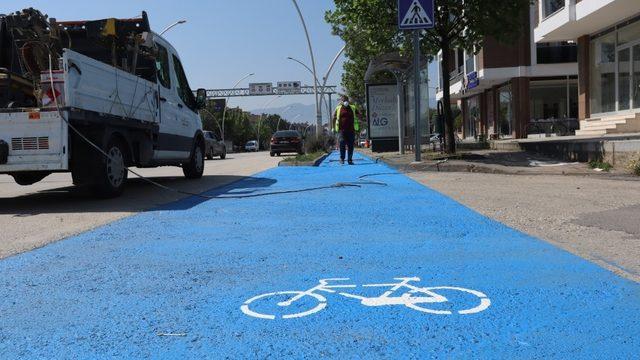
point(549, 7)
point(460, 60)
point(556, 53)
point(470, 62)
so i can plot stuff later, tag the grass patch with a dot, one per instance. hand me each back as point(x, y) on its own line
point(597, 164)
point(304, 157)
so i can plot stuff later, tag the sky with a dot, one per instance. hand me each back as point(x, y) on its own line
point(222, 41)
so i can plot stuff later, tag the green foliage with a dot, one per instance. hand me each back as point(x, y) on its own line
point(599, 164)
point(314, 145)
point(369, 28)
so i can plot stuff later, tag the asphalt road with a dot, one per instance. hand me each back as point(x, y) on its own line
point(33, 216)
point(299, 262)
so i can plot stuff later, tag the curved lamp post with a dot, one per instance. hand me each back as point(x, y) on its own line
point(280, 118)
point(324, 78)
point(172, 25)
point(313, 65)
point(264, 108)
point(224, 111)
point(322, 98)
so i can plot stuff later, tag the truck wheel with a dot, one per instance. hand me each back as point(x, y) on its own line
point(224, 154)
point(195, 167)
point(29, 178)
point(112, 171)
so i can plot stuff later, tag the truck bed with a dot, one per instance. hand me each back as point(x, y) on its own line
point(92, 85)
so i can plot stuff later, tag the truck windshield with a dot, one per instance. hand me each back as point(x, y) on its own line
point(184, 91)
point(162, 65)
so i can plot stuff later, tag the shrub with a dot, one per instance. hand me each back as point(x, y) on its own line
point(321, 144)
point(598, 164)
point(634, 165)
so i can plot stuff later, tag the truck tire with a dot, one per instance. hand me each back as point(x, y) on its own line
point(194, 168)
point(111, 176)
point(29, 178)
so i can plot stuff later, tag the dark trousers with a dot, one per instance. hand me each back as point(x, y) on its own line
point(347, 141)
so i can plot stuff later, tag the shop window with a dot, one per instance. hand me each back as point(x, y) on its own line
point(629, 33)
point(556, 53)
point(505, 114)
point(603, 74)
point(557, 100)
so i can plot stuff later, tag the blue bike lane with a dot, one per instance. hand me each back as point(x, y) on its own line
point(173, 282)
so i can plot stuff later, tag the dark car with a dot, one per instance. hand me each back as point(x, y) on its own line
point(286, 141)
point(214, 146)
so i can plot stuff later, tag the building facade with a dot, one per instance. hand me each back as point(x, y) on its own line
point(608, 36)
point(502, 88)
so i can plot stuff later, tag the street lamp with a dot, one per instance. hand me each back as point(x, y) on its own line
point(280, 118)
point(172, 25)
point(214, 118)
point(313, 65)
point(294, 120)
point(224, 111)
point(315, 79)
point(264, 108)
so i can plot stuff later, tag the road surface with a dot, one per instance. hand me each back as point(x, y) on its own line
point(33, 216)
point(238, 277)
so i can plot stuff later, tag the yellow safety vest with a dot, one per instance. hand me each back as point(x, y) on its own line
point(356, 123)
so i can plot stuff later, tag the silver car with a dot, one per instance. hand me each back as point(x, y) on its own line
point(214, 146)
point(251, 145)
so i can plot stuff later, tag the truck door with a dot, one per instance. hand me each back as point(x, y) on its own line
point(187, 106)
point(173, 141)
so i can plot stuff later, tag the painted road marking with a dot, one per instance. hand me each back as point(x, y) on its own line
point(406, 298)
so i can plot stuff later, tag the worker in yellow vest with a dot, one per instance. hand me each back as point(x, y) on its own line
point(347, 126)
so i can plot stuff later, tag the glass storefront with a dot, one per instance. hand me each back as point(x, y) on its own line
point(554, 99)
point(615, 70)
point(472, 117)
point(505, 114)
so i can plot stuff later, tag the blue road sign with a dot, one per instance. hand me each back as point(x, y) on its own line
point(415, 14)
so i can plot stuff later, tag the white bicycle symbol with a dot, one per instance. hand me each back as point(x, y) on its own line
point(425, 295)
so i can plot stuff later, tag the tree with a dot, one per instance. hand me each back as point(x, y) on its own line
point(369, 28)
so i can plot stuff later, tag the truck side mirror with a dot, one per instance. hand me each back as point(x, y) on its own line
point(201, 98)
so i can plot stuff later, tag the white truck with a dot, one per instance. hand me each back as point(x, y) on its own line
point(112, 84)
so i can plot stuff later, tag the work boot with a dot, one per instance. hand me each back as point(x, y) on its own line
point(341, 161)
point(350, 162)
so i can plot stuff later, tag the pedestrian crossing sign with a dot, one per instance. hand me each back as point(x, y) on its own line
point(415, 14)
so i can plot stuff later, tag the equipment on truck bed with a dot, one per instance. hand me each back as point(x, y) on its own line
point(28, 38)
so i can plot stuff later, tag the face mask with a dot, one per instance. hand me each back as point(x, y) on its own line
point(346, 103)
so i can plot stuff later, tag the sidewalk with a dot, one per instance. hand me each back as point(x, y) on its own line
point(494, 162)
point(591, 214)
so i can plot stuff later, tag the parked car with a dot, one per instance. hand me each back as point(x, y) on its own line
point(284, 141)
point(214, 146)
point(251, 145)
